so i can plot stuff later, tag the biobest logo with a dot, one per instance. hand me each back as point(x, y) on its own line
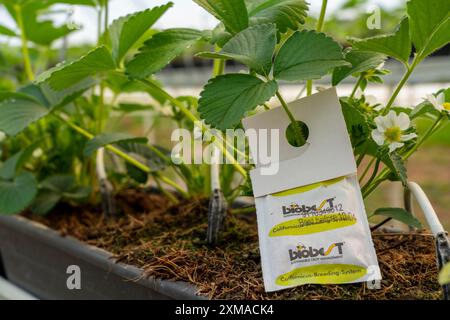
point(325, 206)
point(303, 252)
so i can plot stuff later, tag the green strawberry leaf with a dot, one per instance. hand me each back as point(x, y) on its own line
point(56, 99)
point(308, 55)
point(360, 60)
point(155, 157)
point(232, 13)
point(66, 186)
point(89, 3)
point(429, 25)
point(17, 114)
point(126, 31)
point(253, 47)
point(109, 138)
point(69, 74)
point(11, 167)
point(20, 109)
point(132, 107)
point(162, 48)
point(10, 95)
point(357, 126)
point(7, 32)
point(55, 189)
point(45, 202)
point(396, 45)
point(17, 194)
point(400, 169)
point(398, 214)
point(422, 109)
point(37, 28)
point(286, 14)
point(226, 99)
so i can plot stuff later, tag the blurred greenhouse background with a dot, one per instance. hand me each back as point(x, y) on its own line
point(430, 167)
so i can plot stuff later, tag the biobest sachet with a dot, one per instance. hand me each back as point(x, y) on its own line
point(312, 224)
point(315, 234)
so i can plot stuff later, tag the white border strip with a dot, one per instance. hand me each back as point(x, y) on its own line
point(8, 291)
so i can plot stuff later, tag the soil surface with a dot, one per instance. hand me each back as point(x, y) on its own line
point(168, 242)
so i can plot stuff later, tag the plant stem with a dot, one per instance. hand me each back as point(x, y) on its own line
point(374, 173)
point(99, 24)
point(23, 37)
point(213, 174)
point(368, 189)
point(382, 223)
point(101, 107)
point(367, 170)
point(106, 23)
point(297, 131)
point(360, 79)
point(319, 28)
point(243, 210)
point(123, 155)
point(323, 11)
point(360, 159)
point(309, 87)
point(219, 67)
point(409, 71)
point(168, 194)
point(27, 64)
point(194, 119)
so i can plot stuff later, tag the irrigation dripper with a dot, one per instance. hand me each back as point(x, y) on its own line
point(217, 203)
point(216, 216)
point(106, 189)
point(443, 257)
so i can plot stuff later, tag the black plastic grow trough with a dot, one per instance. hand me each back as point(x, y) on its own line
point(36, 259)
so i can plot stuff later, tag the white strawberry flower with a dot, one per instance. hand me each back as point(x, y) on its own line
point(439, 102)
point(371, 102)
point(380, 66)
point(38, 153)
point(198, 133)
point(2, 136)
point(390, 130)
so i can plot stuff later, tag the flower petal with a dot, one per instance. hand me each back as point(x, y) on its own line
point(403, 121)
point(432, 99)
point(380, 121)
point(440, 98)
point(371, 100)
point(380, 66)
point(395, 145)
point(391, 119)
point(378, 137)
point(407, 137)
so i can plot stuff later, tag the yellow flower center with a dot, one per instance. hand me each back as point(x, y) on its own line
point(393, 134)
point(370, 73)
point(365, 107)
point(446, 106)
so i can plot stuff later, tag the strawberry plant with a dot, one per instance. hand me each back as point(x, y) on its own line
point(265, 36)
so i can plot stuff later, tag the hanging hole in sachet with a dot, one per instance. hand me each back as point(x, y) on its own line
point(297, 140)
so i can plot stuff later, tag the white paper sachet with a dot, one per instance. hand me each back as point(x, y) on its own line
point(316, 234)
point(312, 224)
